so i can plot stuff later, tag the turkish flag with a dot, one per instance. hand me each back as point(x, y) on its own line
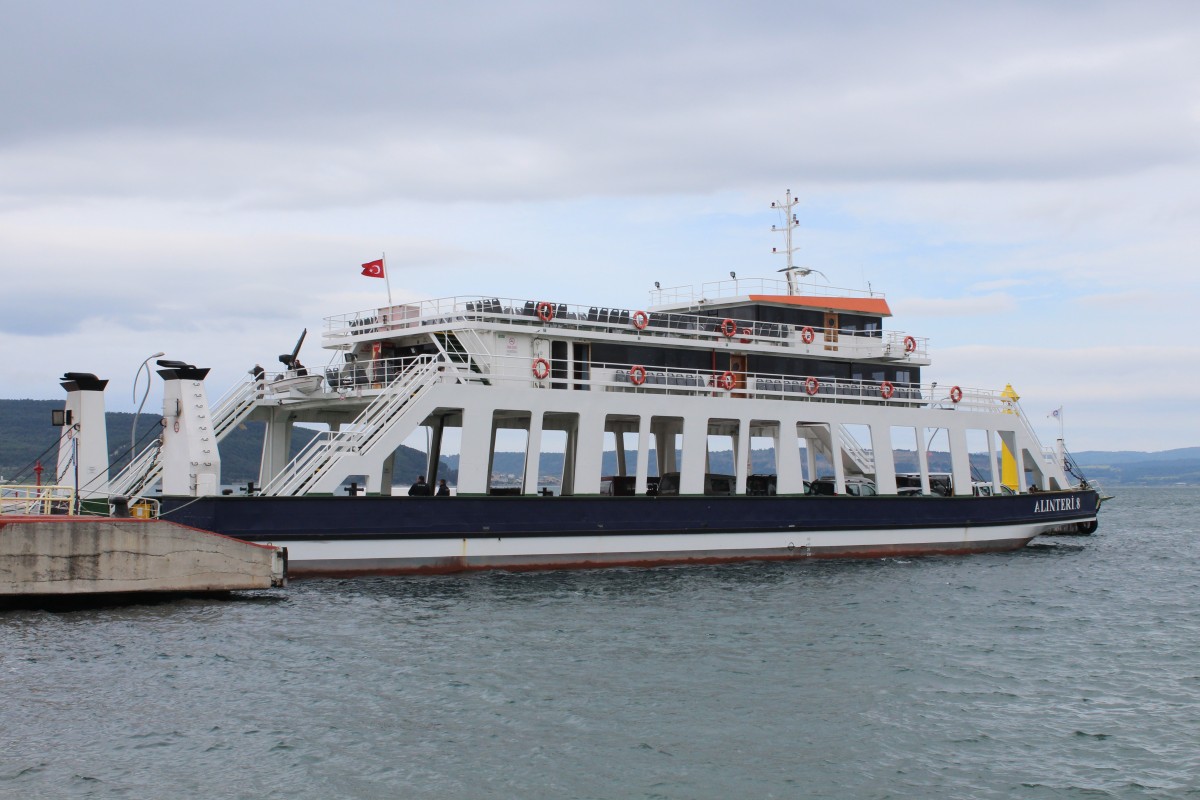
point(373, 269)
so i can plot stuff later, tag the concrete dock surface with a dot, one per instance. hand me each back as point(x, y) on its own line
point(58, 556)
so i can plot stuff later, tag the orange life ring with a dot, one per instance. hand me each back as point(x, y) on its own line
point(812, 385)
point(886, 390)
point(637, 375)
point(746, 334)
point(726, 380)
point(728, 327)
point(807, 335)
point(541, 368)
point(640, 320)
point(955, 394)
point(910, 344)
point(545, 311)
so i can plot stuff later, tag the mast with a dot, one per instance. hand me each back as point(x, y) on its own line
point(790, 224)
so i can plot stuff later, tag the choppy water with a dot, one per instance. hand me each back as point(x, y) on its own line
point(1069, 669)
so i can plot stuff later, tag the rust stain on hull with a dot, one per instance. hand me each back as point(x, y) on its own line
point(450, 566)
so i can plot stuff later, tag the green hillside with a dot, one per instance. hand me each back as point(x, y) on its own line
point(26, 435)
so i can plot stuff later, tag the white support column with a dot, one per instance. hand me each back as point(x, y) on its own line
point(433, 460)
point(835, 456)
point(84, 443)
point(960, 461)
point(589, 452)
point(923, 458)
point(741, 458)
point(386, 475)
point(665, 448)
point(277, 444)
point(619, 433)
point(885, 459)
point(789, 477)
point(533, 453)
point(191, 461)
point(695, 451)
point(475, 450)
point(643, 458)
point(992, 464)
point(810, 456)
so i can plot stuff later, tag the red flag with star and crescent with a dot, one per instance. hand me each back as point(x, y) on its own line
point(373, 269)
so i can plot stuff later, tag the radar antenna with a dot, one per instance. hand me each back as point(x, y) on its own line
point(791, 222)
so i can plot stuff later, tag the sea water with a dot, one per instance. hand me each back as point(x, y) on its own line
point(1068, 669)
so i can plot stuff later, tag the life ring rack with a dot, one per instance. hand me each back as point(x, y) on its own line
point(637, 374)
point(726, 381)
point(956, 394)
point(640, 320)
point(910, 344)
point(812, 385)
point(545, 311)
point(886, 390)
point(808, 335)
point(541, 368)
point(729, 328)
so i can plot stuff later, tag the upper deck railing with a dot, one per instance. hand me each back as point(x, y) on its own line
point(697, 294)
point(839, 343)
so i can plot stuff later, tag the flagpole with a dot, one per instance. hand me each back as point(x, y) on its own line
point(387, 279)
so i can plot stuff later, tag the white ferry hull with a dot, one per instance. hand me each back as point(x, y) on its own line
point(332, 557)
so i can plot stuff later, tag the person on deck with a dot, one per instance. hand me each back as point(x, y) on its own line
point(443, 490)
point(420, 488)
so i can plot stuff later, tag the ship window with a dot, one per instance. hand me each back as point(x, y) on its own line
point(903, 376)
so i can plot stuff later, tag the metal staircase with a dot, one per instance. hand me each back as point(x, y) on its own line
point(139, 474)
point(862, 459)
point(373, 433)
point(228, 412)
point(234, 406)
point(466, 348)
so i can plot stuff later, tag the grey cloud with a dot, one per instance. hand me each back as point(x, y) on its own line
point(301, 105)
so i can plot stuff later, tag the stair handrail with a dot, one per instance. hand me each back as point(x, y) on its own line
point(137, 471)
point(863, 458)
point(234, 406)
point(355, 437)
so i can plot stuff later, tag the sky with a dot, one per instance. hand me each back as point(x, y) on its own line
point(1021, 179)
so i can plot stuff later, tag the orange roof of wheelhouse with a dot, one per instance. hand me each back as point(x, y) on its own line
point(863, 305)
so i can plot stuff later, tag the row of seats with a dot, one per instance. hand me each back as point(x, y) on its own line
point(829, 388)
point(623, 316)
point(826, 388)
point(609, 316)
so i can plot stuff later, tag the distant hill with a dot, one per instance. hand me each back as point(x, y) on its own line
point(27, 435)
point(1136, 456)
point(1169, 468)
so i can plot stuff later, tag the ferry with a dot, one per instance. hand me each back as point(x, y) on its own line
point(788, 369)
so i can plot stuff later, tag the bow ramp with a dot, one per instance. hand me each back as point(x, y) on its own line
point(361, 447)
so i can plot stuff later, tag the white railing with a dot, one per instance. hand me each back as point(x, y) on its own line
point(459, 312)
point(234, 406)
point(139, 473)
point(740, 287)
point(359, 436)
point(24, 500)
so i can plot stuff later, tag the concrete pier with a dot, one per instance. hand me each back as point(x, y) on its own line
point(49, 556)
